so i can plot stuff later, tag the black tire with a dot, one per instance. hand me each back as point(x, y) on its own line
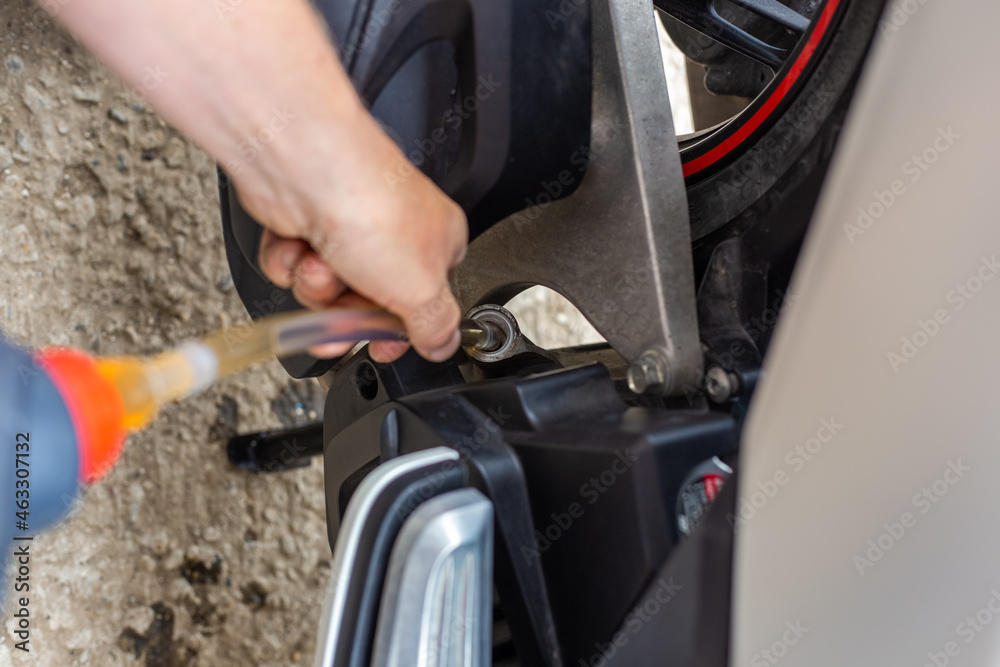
point(798, 140)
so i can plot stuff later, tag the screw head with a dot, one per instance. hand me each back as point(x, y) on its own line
point(650, 374)
point(719, 385)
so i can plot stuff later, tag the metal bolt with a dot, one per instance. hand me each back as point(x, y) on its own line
point(498, 336)
point(481, 335)
point(650, 374)
point(719, 385)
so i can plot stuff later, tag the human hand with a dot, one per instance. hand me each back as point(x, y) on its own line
point(261, 88)
point(337, 229)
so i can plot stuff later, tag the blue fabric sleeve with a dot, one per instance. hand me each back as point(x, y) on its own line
point(33, 413)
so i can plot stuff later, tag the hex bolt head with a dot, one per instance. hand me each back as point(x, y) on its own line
point(650, 374)
point(719, 385)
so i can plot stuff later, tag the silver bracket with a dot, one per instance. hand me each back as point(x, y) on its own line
point(437, 601)
point(619, 247)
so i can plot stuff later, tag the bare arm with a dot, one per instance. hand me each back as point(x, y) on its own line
point(257, 84)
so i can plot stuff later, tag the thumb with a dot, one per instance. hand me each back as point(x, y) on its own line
point(432, 324)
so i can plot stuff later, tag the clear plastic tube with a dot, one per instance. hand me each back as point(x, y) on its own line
point(147, 384)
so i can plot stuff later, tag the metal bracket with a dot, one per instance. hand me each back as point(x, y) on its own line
point(437, 600)
point(619, 247)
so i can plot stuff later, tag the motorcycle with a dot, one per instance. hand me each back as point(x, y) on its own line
point(641, 501)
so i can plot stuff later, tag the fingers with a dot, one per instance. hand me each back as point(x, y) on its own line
point(314, 284)
point(422, 300)
point(381, 351)
point(384, 351)
point(432, 324)
point(394, 249)
point(292, 263)
point(331, 350)
point(278, 257)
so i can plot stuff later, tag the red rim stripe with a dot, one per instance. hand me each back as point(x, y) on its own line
point(708, 159)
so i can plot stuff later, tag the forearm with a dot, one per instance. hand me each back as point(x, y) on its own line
point(258, 85)
point(230, 76)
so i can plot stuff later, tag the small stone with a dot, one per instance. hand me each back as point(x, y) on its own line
point(157, 542)
point(23, 246)
point(115, 208)
point(85, 209)
point(138, 619)
point(149, 234)
point(34, 99)
point(80, 640)
point(176, 153)
point(152, 140)
point(86, 95)
point(6, 159)
point(50, 140)
point(23, 141)
point(14, 64)
point(146, 563)
point(118, 115)
point(224, 282)
point(48, 77)
point(62, 127)
point(181, 590)
point(180, 241)
point(173, 560)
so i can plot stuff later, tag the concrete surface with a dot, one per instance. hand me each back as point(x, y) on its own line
point(111, 243)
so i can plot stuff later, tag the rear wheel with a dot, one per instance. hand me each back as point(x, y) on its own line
point(798, 60)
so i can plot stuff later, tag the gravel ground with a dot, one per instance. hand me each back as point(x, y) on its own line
point(111, 243)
